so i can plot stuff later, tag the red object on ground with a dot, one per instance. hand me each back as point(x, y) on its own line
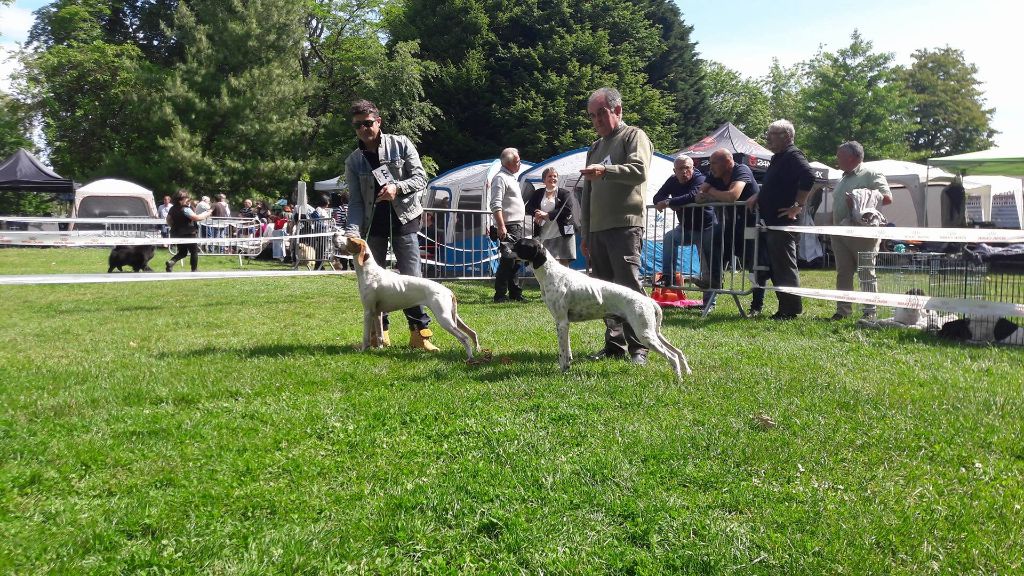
point(674, 298)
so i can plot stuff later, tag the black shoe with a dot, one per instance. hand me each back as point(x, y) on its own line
point(638, 358)
point(169, 266)
point(518, 298)
point(700, 283)
point(837, 316)
point(783, 316)
point(754, 313)
point(601, 355)
point(500, 299)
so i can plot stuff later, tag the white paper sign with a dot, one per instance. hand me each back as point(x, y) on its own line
point(607, 160)
point(383, 176)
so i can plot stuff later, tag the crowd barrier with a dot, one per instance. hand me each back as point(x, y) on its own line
point(315, 252)
point(235, 237)
point(454, 244)
point(683, 256)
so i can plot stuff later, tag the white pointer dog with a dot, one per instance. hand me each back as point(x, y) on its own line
point(572, 296)
point(383, 291)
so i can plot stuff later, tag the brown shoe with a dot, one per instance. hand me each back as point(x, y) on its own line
point(420, 339)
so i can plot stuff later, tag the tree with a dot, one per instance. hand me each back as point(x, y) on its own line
point(519, 74)
point(95, 90)
point(677, 71)
point(733, 98)
point(15, 123)
point(949, 109)
point(854, 94)
point(236, 104)
point(784, 86)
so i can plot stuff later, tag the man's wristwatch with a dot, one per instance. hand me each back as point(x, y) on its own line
point(797, 205)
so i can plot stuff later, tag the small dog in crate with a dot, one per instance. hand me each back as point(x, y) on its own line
point(909, 317)
point(306, 253)
point(137, 257)
point(983, 329)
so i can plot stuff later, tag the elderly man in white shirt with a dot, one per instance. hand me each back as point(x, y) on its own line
point(850, 157)
point(509, 210)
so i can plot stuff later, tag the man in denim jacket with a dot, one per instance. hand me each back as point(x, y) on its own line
point(385, 178)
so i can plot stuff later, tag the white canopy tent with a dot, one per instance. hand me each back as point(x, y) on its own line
point(465, 187)
point(331, 184)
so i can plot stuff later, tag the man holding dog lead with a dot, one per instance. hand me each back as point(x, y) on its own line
point(506, 204)
point(385, 179)
point(613, 210)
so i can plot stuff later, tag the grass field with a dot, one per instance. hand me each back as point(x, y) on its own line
point(229, 427)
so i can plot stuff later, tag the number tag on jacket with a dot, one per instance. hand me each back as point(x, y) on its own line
point(383, 176)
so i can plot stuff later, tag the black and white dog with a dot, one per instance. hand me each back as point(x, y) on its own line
point(137, 257)
point(572, 296)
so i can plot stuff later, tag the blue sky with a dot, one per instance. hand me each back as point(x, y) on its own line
point(745, 37)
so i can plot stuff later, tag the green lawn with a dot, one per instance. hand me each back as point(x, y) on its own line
point(230, 427)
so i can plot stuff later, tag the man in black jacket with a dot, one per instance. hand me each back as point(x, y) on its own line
point(782, 198)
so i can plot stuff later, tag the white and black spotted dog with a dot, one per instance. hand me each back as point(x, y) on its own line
point(383, 291)
point(572, 296)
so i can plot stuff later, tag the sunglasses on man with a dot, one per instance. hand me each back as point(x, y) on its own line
point(363, 124)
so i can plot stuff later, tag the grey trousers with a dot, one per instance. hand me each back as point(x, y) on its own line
point(407, 252)
point(615, 257)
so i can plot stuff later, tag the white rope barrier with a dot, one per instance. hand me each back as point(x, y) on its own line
point(39, 279)
point(90, 239)
point(972, 235)
point(106, 220)
point(957, 305)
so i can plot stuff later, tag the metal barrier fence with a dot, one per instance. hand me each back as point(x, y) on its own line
point(715, 259)
point(314, 253)
point(454, 244)
point(249, 244)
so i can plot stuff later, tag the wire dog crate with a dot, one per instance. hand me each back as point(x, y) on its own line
point(934, 274)
point(958, 275)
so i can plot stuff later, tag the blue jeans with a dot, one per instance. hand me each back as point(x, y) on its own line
point(407, 252)
point(704, 241)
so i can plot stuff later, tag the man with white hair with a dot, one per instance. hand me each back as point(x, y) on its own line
point(612, 215)
point(782, 198)
point(850, 157)
point(509, 210)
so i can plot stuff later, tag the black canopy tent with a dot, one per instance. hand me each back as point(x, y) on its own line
point(23, 172)
point(744, 149)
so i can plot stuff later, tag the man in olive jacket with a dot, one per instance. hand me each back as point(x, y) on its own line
point(613, 210)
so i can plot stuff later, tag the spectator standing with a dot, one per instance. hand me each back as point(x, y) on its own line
point(506, 204)
point(385, 179)
point(612, 214)
point(784, 192)
point(161, 212)
point(554, 218)
point(850, 157)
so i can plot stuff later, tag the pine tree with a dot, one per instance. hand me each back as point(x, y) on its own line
point(237, 103)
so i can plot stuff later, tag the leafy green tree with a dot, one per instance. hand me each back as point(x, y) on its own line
point(854, 94)
point(95, 90)
point(949, 108)
point(784, 86)
point(15, 124)
point(236, 104)
point(733, 98)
